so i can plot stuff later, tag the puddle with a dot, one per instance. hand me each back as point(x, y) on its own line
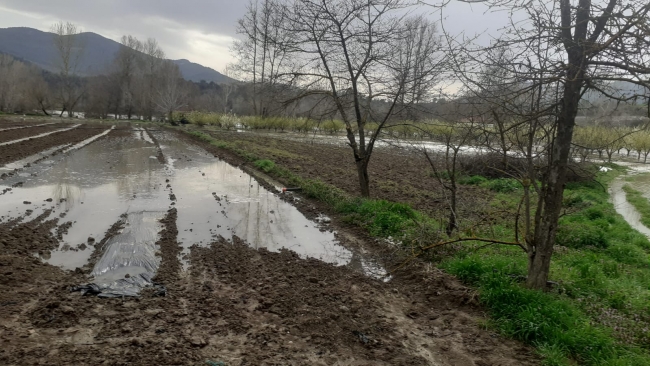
point(91, 188)
point(624, 208)
point(214, 198)
point(94, 185)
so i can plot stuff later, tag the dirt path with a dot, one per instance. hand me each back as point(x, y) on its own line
point(234, 304)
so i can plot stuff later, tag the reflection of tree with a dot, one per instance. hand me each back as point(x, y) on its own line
point(126, 163)
point(63, 188)
point(134, 170)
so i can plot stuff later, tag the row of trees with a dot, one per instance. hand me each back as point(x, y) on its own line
point(371, 61)
point(18, 85)
point(138, 83)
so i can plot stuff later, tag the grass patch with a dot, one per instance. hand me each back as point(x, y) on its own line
point(265, 165)
point(599, 314)
point(499, 185)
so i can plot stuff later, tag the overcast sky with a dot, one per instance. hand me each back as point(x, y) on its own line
point(198, 30)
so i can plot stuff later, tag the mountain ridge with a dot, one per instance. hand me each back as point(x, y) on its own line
point(36, 47)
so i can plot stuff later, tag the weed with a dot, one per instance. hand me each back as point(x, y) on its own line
point(265, 165)
point(502, 185)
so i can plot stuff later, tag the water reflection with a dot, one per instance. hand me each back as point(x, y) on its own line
point(92, 188)
point(217, 199)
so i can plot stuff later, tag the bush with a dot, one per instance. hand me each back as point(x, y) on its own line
point(333, 126)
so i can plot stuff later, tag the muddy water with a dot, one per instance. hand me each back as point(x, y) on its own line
point(624, 208)
point(91, 188)
point(214, 198)
point(120, 180)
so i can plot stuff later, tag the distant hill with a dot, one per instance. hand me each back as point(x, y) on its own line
point(36, 47)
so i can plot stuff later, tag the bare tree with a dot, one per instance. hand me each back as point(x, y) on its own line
point(128, 65)
point(262, 53)
point(172, 93)
point(154, 58)
point(454, 135)
point(227, 89)
point(357, 54)
point(560, 51)
point(70, 50)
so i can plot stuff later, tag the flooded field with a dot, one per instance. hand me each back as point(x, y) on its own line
point(130, 178)
point(132, 244)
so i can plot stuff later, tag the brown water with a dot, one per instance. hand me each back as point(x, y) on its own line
point(115, 179)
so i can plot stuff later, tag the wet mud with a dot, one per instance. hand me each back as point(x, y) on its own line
point(397, 175)
point(240, 289)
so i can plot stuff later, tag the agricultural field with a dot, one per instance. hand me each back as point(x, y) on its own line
point(597, 309)
point(124, 242)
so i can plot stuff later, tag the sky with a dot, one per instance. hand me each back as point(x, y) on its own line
point(201, 31)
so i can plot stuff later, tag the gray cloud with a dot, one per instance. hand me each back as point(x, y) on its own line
point(199, 30)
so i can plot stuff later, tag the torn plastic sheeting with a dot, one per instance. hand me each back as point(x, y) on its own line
point(135, 246)
point(129, 261)
point(123, 287)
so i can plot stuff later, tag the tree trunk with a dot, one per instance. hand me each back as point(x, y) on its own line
point(364, 180)
point(550, 205)
point(452, 224)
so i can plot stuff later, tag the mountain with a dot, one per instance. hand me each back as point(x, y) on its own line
point(36, 47)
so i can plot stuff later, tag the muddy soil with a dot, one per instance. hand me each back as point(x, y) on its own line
point(10, 122)
point(21, 133)
point(244, 306)
point(234, 304)
point(23, 149)
point(395, 174)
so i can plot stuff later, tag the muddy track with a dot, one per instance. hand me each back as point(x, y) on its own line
point(159, 155)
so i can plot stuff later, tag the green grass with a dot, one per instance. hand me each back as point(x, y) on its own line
point(598, 314)
point(499, 185)
point(265, 165)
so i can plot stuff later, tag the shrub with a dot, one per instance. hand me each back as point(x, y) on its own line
point(380, 217)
